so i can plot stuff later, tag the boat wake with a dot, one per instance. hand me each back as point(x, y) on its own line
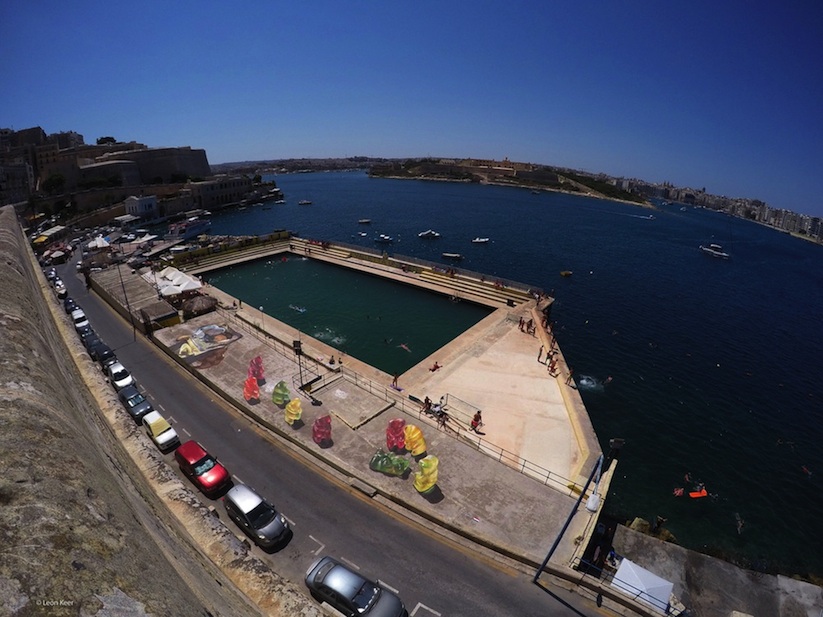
point(589, 383)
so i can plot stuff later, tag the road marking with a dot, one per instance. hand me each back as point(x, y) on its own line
point(322, 546)
point(425, 608)
point(186, 432)
point(171, 419)
point(161, 407)
point(390, 588)
point(350, 563)
point(288, 520)
point(237, 478)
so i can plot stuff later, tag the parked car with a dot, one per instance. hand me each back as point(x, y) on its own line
point(100, 352)
point(255, 516)
point(90, 340)
point(119, 376)
point(202, 468)
point(135, 403)
point(51, 274)
point(160, 431)
point(70, 305)
point(106, 362)
point(348, 592)
point(79, 318)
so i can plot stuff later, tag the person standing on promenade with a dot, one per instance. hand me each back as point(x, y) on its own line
point(569, 377)
point(477, 422)
point(540, 353)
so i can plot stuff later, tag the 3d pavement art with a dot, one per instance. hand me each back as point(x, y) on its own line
point(321, 431)
point(206, 346)
point(280, 395)
point(251, 391)
point(426, 479)
point(396, 435)
point(293, 411)
point(256, 370)
point(388, 463)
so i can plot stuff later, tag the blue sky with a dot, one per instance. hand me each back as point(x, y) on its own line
point(722, 95)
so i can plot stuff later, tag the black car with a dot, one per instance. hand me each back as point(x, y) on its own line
point(135, 403)
point(100, 352)
point(91, 341)
point(69, 305)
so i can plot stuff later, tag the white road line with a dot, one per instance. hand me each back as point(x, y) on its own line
point(289, 521)
point(322, 546)
point(425, 608)
point(350, 563)
point(161, 407)
point(186, 432)
point(171, 418)
point(389, 587)
point(237, 478)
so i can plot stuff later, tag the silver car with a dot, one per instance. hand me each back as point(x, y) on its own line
point(348, 592)
point(255, 516)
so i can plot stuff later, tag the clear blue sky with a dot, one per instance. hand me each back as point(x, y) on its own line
point(722, 95)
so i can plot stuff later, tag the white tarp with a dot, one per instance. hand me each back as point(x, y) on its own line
point(171, 281)
point(643, 585)
point(98, 243)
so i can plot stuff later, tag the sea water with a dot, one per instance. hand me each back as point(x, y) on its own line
point(714, 364)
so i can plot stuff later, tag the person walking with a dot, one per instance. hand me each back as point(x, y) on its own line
point(477, 422)
point(540, 353)
point(569, 376)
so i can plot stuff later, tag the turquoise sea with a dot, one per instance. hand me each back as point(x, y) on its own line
point(715, 364)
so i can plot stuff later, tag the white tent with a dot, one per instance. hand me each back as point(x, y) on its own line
point(643, 585)
point(98, 243)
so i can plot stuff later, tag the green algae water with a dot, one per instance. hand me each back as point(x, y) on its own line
point(386, 324)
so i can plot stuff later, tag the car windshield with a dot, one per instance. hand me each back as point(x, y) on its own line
point(135, 400)
point(120, 375)
point(203, 465)
point(261, 516)
point(365, 596)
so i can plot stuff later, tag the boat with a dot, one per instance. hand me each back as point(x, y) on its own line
point(384, 239)
point(280, 201)
point(429, 233)
point(362, 234)
point(190, 228)
point(715, 250)
point(683, 209)
point(480, 240)
point(299, 309)
point(364, 222)
point(452, 256)
point(304, 202)
point(565, 273)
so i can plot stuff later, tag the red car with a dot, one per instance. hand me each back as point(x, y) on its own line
point(202, 468)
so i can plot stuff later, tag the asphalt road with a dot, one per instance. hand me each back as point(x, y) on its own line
point(433, 575)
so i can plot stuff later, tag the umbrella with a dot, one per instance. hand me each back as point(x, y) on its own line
point(643, 585)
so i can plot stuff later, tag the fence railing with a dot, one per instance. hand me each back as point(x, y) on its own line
point(457, 426)
point(605, 578)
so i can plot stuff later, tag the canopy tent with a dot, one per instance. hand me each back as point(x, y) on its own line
point(171, 281)
point(98, 243)
point(643, 585)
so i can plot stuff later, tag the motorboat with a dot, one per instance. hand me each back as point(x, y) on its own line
point(190, 228)
point(452, 256)
point(480, 240)
point(566, 273)
point(364, 222)
point(429, 233)
point(715, 250)
point(304, 202)
point(384, 239)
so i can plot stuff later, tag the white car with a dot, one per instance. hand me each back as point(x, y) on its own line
point(160, 431)
point(119, 376)
point(79, 318)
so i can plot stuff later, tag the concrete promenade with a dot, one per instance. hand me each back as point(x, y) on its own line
point(508, 490)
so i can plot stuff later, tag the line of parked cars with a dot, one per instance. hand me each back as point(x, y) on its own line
point(328, 580)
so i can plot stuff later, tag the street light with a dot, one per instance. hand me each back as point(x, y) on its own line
point(568, 520)
point(128, 306)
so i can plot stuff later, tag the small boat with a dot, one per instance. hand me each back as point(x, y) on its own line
point(304, 202)
point(384, 239)
point(362, 234)
point(429, 233)
point(452, 256)
point(280, 201)
point(299, 309)
point(364, 222)
point(565, 273)
point(683, 209)
point(715, 250)
point(480, 240)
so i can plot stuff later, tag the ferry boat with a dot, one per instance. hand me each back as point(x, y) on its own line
point(429, 233)
point(190, 228)
point(715, 250)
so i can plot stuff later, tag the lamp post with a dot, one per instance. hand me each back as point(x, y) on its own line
point(298, 351)
point(568, 520)
point(128, 306)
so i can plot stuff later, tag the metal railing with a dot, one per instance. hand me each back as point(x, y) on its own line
point(605, 577)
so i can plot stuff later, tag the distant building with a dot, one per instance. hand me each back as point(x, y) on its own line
point(144, 208)
point(165, 165)
point(220, 191)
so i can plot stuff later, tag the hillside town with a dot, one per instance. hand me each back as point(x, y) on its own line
point(58, 175)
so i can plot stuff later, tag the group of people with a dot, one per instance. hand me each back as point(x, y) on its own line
point(527, 326)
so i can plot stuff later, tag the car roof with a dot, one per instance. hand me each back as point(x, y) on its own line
point(244, 498)
point(78, 312)
point(156, 423)
point(191, 451)
point(343, 580)
point(128, 392)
